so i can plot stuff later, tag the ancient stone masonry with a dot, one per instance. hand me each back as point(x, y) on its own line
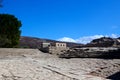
point(45, 45)
point(92, 52)
point(54, 48)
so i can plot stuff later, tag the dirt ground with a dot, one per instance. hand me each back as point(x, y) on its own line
point(32, 64)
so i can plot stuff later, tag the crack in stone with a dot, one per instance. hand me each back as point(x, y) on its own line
point(60, 73)
point(13, 77)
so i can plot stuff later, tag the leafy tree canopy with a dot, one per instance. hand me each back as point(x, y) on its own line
point(9, 30)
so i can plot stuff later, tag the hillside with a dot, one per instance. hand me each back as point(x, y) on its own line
point(33, 42)
point(103, 42)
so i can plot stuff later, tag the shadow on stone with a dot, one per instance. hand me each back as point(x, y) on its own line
point(106, 53)
point(115, 76)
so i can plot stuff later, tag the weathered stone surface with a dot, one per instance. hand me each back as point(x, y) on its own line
point(31, 64)
point(91, 52)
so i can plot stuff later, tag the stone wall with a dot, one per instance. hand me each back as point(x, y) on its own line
point(56, 50)
point(60, 45)
point(92, 52)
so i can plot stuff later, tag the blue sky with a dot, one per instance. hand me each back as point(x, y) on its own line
point(66, 19)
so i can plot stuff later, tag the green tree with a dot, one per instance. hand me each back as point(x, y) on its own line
point(9, 30)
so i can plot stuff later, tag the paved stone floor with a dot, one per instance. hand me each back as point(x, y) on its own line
point(31, 64)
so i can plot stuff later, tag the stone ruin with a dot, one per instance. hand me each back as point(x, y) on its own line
point(53, 48)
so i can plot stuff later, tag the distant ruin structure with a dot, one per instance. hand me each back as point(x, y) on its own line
point(54, 48)
point(45, 44)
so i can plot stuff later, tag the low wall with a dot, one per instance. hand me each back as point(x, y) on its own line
point(56, 50)
point(94, 52)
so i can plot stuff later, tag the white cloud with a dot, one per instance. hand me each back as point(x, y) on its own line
point(66, 39)
point(88, 39)
point(85, 39)
point(114, 35)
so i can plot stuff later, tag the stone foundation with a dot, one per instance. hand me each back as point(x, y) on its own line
point(56, 50)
